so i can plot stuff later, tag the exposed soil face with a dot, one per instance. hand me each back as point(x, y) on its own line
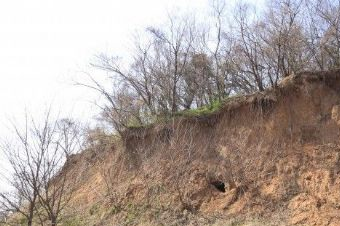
point(277, 154)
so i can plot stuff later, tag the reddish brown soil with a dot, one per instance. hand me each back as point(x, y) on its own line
point(277, 152)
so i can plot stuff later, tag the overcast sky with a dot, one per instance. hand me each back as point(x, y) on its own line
point(45, 44)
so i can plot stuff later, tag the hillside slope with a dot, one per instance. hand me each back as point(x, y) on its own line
point(270, 158)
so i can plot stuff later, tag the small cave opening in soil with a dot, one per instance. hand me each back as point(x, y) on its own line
point(219, 185)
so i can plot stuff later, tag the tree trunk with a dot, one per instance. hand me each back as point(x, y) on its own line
point(31, 213)
point(53, 220)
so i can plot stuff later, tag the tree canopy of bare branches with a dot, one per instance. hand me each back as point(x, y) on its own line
point(187, 63)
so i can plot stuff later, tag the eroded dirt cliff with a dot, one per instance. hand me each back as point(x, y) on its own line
point(270, 158)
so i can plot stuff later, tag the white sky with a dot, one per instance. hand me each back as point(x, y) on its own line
point(45, 43)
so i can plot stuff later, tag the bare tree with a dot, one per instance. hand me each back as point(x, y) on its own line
point(58, 139)
point(122, 107)
point(270, 45)
point(36, 157)
point(327, 25)
point(25, 160)
point(217, 45)
point(70, 136)
point(173, 45)
point(283, 38)
point(248, 52)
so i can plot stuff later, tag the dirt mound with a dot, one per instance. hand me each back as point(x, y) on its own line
point(273, 155)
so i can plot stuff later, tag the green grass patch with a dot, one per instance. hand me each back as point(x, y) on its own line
point(206, 110)
point(202, 111)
